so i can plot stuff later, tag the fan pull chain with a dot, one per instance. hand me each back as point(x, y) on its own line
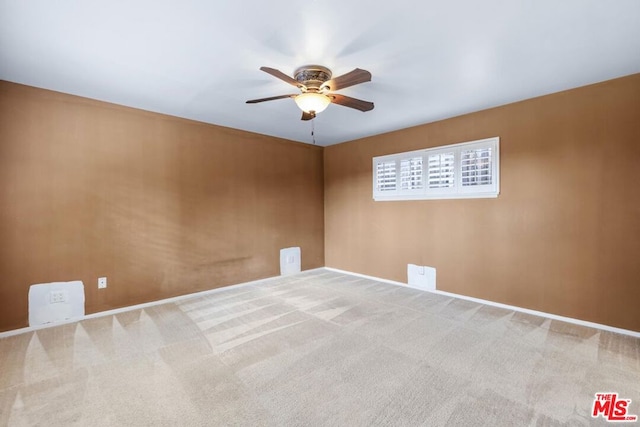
point(313, 130)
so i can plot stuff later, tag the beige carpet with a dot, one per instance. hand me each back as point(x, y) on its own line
point(315, 349)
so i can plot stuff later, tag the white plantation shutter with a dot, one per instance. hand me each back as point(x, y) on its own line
point(441, 170)
point(476, 167)
point(411, 174)
point(386, 176)
point(466, 170)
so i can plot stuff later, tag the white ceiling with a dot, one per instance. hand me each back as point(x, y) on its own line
point(430, 60)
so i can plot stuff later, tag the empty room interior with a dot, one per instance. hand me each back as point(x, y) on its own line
point(319, 213)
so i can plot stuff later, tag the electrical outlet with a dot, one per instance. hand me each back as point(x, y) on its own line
point(56, 297)
point(102, 282)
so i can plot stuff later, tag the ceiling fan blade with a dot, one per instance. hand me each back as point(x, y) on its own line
point(282, 76)
point(271, 98)
point(354, 77)
point(307, 116)
point(347, 101)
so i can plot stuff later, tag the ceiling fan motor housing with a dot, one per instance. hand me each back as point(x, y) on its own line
point(312, 76)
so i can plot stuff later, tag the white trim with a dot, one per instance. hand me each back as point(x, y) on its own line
point(364, 276)
point(439, 196)
point(586, 323)
point(143, 305)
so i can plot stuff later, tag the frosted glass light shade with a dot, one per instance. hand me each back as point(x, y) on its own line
point(311, 101)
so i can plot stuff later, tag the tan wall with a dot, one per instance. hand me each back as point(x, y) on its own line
point(161, 206)
point(563, 236)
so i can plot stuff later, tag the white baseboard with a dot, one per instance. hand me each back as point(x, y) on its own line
point(600, 326)
point(143, 305)
point(350, 273)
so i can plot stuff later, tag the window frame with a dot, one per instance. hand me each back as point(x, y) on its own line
point(458, 190)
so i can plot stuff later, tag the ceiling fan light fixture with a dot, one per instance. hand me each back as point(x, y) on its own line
point(312, 101)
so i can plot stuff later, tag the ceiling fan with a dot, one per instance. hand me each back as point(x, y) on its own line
point(316, 87)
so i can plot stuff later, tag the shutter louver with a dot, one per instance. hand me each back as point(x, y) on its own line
point(441, 171)
point(411, 173)
point(386, 176)
point(476, 166)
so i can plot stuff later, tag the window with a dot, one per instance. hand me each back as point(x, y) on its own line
point(441, 170)
point(386, 176)
point(411, 173)
point(466, 170)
